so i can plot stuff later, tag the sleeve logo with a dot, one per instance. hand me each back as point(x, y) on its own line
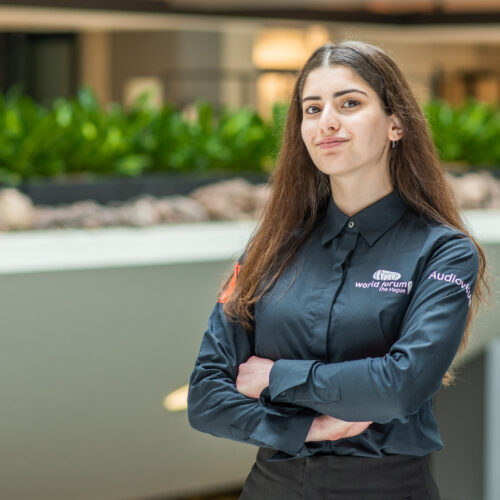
point(452, 278)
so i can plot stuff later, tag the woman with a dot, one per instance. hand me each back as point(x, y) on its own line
point(343, 315)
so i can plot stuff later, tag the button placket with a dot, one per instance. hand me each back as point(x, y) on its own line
point(346, 244)
point(346, 248)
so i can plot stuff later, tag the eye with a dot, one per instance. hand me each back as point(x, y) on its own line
point(353, 104)
point(309, 107)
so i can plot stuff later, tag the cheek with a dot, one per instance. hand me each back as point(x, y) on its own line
point(306, 133)
point(370, 130)
point(302, 131)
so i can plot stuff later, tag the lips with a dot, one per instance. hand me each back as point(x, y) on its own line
point(332, 143)
point(331, 140)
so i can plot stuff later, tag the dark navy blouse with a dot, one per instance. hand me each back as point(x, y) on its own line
point(363, 324)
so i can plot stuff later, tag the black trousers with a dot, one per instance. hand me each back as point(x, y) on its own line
point(331, 477)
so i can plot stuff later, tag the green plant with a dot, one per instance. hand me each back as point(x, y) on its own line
point(465, 134)
point(78, 137)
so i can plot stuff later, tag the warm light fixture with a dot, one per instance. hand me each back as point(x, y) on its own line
point(279, 49)
point(176, 400)
point(273, 87)
point(280, 52)
point(314, 36)
point(287, 48)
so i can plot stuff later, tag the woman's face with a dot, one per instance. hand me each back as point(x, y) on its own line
point(344, 127)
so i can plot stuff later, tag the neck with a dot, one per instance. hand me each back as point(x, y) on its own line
point(351, 193)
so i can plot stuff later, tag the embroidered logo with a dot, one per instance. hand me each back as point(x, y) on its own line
point(384, 275)
point(452, 278)
point(387, 281)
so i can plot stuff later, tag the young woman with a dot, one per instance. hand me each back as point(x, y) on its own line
point(352, 298)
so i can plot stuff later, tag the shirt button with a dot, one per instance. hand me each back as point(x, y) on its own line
point(350, 224)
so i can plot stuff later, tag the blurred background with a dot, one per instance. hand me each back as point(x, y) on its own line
point(136, 137)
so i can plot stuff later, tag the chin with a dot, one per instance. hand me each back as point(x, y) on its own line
point(336, 170)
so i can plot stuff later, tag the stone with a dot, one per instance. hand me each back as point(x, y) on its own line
point(234, 199)
point(181, 209)
point(261, 195)
point(16, 210)
point(227, 200)
point(494, 202)
point(79, 214)
point(473, 190)
point(143, 212)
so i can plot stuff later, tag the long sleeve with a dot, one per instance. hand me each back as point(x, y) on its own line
point(381, 389)
point(216, 407)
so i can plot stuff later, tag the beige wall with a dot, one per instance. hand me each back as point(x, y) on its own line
point(236, 57)
point(95, 60)
point(87, 361)
point(109, 61)
point(141, 54)
point(419, 63)
point(168, 56)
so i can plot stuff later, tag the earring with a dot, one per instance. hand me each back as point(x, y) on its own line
point(394, 143)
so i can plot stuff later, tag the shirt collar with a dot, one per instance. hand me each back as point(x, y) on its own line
point(373, 221)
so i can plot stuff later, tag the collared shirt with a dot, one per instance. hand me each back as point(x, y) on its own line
point(362, 325)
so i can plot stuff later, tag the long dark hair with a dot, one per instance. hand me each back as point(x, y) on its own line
point(300, 191)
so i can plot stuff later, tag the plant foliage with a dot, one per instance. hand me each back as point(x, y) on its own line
point(467, 134)
point(78, 137)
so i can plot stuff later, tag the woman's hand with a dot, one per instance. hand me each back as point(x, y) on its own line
point(253, 376)
point(326, 428)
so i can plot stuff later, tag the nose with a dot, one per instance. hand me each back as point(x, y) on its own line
point(329, 119)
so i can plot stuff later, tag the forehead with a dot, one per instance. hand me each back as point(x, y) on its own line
point(332, 79)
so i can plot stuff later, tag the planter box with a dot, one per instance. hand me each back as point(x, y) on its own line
point(108, 189)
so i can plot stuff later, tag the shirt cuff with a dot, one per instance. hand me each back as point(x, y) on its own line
point(287, 434)
point(287, 374)
point(281, 409)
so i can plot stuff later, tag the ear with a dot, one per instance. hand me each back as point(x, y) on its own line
point(395, 128)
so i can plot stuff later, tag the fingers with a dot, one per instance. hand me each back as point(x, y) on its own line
point(356, 428)
point(329, 428)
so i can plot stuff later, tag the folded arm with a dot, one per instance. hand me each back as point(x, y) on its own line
point(385, 388)
point(215, 406)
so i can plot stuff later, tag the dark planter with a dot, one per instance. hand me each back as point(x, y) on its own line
point(108, 189)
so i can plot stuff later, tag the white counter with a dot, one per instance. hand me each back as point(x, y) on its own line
point(71, 249)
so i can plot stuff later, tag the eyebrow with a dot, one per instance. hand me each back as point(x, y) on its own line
point(336, 94)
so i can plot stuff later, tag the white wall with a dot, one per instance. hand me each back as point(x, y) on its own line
point(91, 346)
